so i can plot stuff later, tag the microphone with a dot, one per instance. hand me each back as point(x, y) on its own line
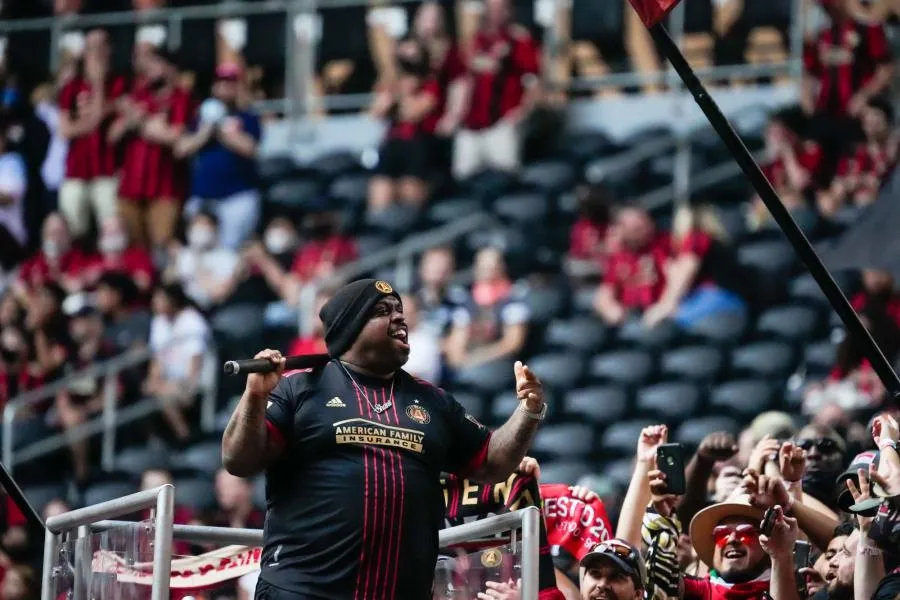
point(264, 365)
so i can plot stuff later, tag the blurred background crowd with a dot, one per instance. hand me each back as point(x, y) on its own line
point(147, 233)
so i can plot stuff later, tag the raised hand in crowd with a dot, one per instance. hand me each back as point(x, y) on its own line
point(500, 591)
point(663, 502)
point(718, 447)
point(638, 494)
point(766, 450)
point(779, 544)
point(792, 462)
point(864, 492)
point(765, 491)
point(651, 438)
point(530, 466)
point(582, 493)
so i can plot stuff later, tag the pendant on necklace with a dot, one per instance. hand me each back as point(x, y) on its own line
point(380, 408)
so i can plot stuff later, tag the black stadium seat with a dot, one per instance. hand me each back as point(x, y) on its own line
point(108, 490)
point(763, 359)
point(276, 168)
point(490, 377)
point(671, 401)
point(571, 440)
point(692, 431)
point(41, 495)
point(351, 189)
point(522, 207)
point(473, 403)
point(744, 397)
point(545, 303)
point(205, 457)
point(559, 370)
point(138, 459)
point(330, 165)
point(791, 323)
point(697, 363)
point(450, 209)
point(819, 358)
point(582, 334)
point(720, 328)
point(195, 492)
point(293, 194)
point(621, 437)
point(630, 367)
point(601, 405)
point(563, 471)
point(552, 177)
point(620, 471)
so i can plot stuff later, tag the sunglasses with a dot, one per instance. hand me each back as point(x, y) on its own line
point(825, 445)
point(746, 534)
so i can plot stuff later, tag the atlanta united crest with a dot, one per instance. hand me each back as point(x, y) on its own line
point(418, 414)
point(384, 287)
point(491, 558)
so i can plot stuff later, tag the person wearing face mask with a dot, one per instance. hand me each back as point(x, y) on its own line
point(57, 261)
point(324, 247)
point(118, 254)
point(222, 149)
point(268, 264)
point(494, 324)
point(208, 272)
point(149, 125)
point(13, 188)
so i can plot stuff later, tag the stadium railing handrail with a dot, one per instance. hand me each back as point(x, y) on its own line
point(112, 416)
point(174, 17)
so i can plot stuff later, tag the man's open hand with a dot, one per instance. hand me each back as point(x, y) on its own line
point(718, 446)
point(528, 387)
point(792, 462)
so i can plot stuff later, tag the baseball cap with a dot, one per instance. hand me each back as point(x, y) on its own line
point(864, 461)
point(623, 555)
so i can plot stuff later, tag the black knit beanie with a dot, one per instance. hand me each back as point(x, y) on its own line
point(345, 315)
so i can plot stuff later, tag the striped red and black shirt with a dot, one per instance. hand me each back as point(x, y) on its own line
point(150, 171)
point(354, 501)
point(90, 155)
point(844, 58)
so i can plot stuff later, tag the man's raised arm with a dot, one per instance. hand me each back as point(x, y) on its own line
point(246, 445)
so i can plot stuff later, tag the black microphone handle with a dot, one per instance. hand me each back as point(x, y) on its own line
point(263, 365)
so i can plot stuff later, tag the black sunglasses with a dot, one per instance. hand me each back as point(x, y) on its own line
point(825, 445)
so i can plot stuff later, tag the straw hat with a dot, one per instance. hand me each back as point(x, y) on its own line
point(707, 519)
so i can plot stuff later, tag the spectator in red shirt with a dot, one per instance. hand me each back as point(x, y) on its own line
point(405, 157)
point(847, 64)
point(57, 261)
point(588, 240)
point(635, 277)
point(313, 342)
point(793, 166)
point(324, 249)
point(698, 276)
point(154, 182)
point(501, 87)
point(119, 255)
point(860, 173)
point(17, 376)
point(87, 106)
point(878, 293)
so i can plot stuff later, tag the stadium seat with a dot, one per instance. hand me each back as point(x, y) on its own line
point(558, 370)
point(330, 165)
point(601, 405)
point(804, 287)
point(522, 207)
point(744, 397)
point(720, 328)
point(351, 189)
point(196, 492)
point(581, 334)
point(791, 323)
point(566, 472)
point(276, 168)
point(293, 194)
point(490, 377)
point(369, 244)
point(629, 367)
point(763, 359)
point(551, 177)
point(620, 471)
point(473, 403)
point(582, 146)
point(451, 209)
point(138, 459)
point(692, 431)
point(107, 490)
point(564, 440)
point(41, 495)
point(621, 437)
point(394, 220)
point(610, 172)
point(488, 185)
point(545, 303)
point(634, 332)
point(259, 492)
point(583, 301)
point(768, 256)
point(205, 457)
point(670, 402)
point(697, 363)
point(819, 358)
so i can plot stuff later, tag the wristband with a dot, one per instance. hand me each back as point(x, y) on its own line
point(887, 443)
point(866, 550)
point(791, 486)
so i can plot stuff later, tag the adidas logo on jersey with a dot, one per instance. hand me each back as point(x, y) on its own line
point(335, 403)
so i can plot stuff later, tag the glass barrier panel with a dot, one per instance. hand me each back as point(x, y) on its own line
point(109, 565)
point(461, 573)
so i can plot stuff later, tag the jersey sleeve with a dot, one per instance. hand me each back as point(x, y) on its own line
point(468, 440)
point(280, 409)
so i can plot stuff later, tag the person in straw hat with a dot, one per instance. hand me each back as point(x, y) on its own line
point(744, 564)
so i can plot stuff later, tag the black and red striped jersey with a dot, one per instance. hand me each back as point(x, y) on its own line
point(354, 502)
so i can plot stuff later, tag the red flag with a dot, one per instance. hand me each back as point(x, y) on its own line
point(652, 12)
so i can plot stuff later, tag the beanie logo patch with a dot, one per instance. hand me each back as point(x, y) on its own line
point(384, 287)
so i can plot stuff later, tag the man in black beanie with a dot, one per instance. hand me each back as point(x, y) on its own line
point(353, 453)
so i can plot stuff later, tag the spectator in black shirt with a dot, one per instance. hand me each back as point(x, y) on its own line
point(126, 326)
point(353, 452)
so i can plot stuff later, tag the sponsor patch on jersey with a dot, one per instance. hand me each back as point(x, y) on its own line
point(365, 432)
point(417, 413)
point(335, 403)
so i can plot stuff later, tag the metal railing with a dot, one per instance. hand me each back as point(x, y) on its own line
point(528, 519)
point(112, 417)
point(61, 527)
point(301, 48)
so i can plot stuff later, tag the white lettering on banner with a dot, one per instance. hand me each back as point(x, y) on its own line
point(563, 508)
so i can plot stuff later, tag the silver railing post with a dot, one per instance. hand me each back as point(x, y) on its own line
point(174, 34)
point(530, 552)
point(162, 542)
point(82, 549)
point(405, 273)
point(681, 179)
point(9, 417)
point(110, 402)
point(798, 31)
point(51, 549)
point(676, 29)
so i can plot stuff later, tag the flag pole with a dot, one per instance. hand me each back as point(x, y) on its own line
point(770, 198)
